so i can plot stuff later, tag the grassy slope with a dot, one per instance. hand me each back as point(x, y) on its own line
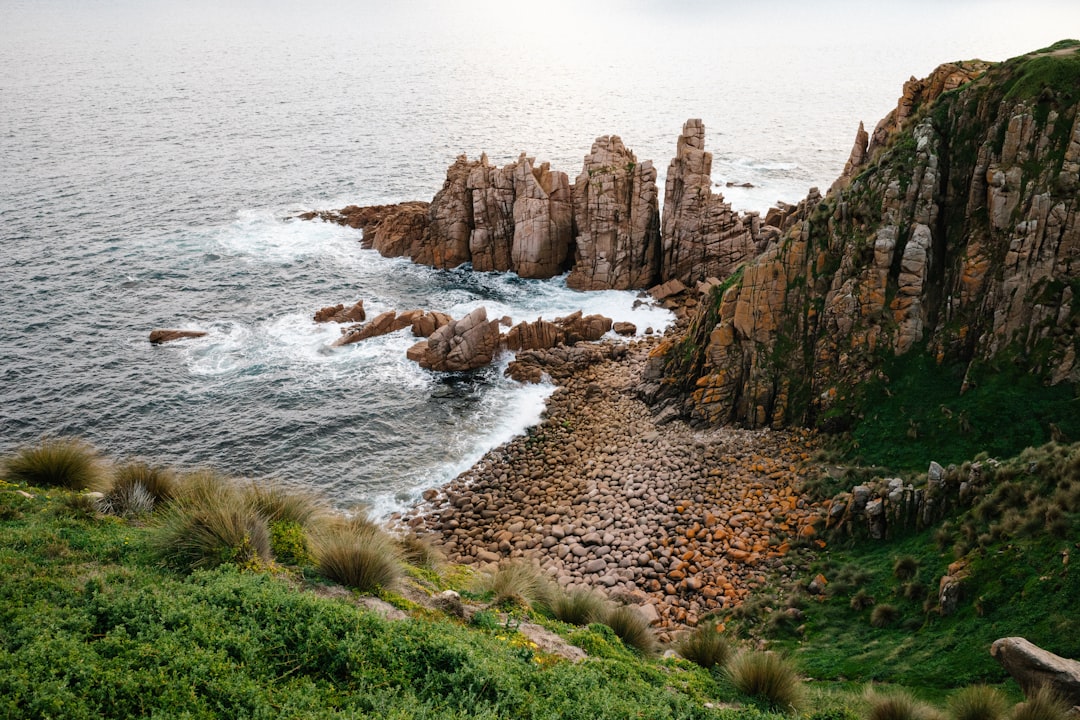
point(1020, 537)
point(92, 625)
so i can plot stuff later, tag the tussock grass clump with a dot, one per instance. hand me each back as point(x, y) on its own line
point(516, 582)
point(861, 600)
point(361, 557)
point(138, 488)
point(278, 503)
point(768, 678)
point(705, 646)
point(905, 568)
point(419, 552)
point(62, 462)
point(578, 607)
point(884, 615)
point(898, 705)
point(1042, 704)
point(633, 629)
point(191, 537)
point(977, 702)
point(210, 521)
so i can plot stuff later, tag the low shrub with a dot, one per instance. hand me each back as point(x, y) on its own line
point(632, 628)
point(578, 607)
point(289, 544)
point(705, 646)
point(359, 557)
point(63, 462)
point(768, 678)
point(977, 702)
point(1042, 704)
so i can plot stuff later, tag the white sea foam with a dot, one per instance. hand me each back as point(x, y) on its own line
point(508, 411)
point(273, 235)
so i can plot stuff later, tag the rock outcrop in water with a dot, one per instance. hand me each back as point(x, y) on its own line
point(617, 220)
point(605, 228)
point(162, 335)
point(955, 235)
point(465, 344)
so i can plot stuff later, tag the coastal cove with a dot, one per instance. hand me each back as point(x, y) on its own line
point(433, 361)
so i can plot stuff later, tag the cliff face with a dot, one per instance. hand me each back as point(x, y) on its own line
point(519, 217)
point(953, 232)
point(617, 220)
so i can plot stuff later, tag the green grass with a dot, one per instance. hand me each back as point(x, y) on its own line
point(92, 625)
point(1017, 585)
point(920, 415)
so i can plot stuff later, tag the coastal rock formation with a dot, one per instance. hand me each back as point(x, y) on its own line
point(519, 218)
point(162, 335)
point(959, 238)
point(605, 229)
point(617, 217)
point(1032, 668)
point(465, 344)
point(702, 237)
point(541, 334)
point(340, 314)
point(383, 324)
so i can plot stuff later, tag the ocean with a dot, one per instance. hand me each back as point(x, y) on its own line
point(153, 156)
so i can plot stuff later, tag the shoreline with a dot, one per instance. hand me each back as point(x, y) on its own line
point(679, 521)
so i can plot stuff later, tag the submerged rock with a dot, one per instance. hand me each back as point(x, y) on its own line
point(161, 335)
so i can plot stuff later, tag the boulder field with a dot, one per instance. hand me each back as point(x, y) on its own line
point(679, 521)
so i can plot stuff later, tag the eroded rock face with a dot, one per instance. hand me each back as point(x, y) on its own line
point(1033, 667)
point(618, 220)
point(519, 218)
point(959, 239)
point(702, 237)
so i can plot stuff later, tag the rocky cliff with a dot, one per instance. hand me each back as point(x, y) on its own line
point(953, 233)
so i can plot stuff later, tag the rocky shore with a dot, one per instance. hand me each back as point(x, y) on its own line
point(677, 520)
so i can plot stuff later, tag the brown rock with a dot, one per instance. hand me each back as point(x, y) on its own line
point(1033, 667)
point(701, 236)
point(159, 336)
point(383, 324)
point(340, 314)
point(464, 344)
point(589, 327)
point(618, 220)
point(429, 322)
point(624, 328)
